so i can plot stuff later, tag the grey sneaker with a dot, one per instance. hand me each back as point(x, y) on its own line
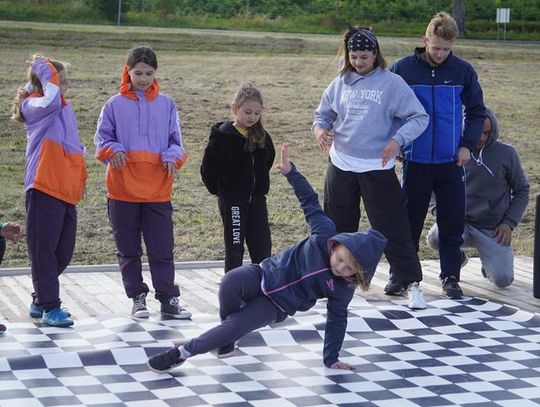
point(172, 308)
point(451, 288)
point(165, 361)
point(139, 309)
point(394, 288)
point(226, 351)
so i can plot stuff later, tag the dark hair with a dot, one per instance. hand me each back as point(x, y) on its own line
point(22, 93)
point(142, 54)
point(345, 64)
point(256, 134)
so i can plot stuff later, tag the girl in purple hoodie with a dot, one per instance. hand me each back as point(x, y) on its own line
point(138, 136)
point(54, 180)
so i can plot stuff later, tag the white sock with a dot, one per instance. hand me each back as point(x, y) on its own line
point(184, 354)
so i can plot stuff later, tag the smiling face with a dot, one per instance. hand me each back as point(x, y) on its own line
point(342, 262)
point(363, 62)
point(248, 113)
point(142, 76)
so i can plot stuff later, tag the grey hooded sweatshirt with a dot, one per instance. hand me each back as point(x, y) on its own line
point(497, 188)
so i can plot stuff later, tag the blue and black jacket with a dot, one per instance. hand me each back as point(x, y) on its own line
point(443, 90)
point(298, 276)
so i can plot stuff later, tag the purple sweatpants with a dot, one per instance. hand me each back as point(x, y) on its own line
point(242, 309)
point(154, 222)
point(51, 226)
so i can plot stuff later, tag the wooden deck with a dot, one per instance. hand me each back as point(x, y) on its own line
point(97, 290)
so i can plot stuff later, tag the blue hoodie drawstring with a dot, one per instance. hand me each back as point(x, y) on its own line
point(480, 162)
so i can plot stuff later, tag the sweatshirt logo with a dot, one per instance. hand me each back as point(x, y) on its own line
point(362, 94)
point(330, 284)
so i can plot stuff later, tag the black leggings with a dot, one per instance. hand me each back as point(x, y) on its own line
point(245, 218)
point(385, 205)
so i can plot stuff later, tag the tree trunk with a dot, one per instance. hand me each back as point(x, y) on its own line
point(459, 16)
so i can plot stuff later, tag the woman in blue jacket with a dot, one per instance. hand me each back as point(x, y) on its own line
point(324, 265)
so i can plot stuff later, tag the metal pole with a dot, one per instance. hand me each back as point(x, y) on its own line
point(536, 259)
point(119, 11)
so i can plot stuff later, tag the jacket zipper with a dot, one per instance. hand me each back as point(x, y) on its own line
point(433, 116)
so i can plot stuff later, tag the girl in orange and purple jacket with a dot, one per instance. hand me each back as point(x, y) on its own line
point(55, 178)
point(138, 136)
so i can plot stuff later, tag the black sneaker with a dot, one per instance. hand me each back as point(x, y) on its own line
point(226, 351)
point(165, 361)
point(139, 309)
point(451, 288)
point(394, 288)
point(172, 308)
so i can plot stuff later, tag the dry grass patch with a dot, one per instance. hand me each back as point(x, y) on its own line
point(201, 70)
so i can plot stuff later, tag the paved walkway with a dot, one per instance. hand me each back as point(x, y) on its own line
point(472, 352)
point(97, 290)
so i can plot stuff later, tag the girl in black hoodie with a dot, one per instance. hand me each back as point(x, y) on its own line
point(235, 167)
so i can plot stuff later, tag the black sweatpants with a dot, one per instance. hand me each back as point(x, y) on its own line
point(385, 205)
point(447, 181)
point(245, 218)
point(242, 308)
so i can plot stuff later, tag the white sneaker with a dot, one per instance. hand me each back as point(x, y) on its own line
point(416, 297)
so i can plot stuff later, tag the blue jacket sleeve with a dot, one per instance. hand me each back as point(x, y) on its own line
point(336, 325)
point(316, 219)
point(475, 111)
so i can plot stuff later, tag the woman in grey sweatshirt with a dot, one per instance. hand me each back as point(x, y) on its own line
point(365, 116)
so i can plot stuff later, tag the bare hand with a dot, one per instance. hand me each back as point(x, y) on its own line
point(12, 231)
point(503, 234)
point(324, 138)
point(171, 169)
point(390, 151)
point(119, 160)
point(464, 156)
point(285, 166)
point(342, 365)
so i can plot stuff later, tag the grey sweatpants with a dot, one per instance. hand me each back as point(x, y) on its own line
point(242, 308)
point(497, 259)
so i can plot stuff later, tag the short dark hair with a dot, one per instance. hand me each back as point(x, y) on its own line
point(142, 54)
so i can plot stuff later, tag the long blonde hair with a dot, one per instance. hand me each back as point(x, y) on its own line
point(23, 93)
point(256, 137)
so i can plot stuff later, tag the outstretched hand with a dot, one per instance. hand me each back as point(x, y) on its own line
point(285, 166)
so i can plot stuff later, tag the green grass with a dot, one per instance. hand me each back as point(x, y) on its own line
point(200, 70)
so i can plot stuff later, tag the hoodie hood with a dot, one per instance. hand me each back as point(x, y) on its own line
point(366, 247)
point(494, 133)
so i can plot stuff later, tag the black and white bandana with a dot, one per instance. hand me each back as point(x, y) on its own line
point(363, 40)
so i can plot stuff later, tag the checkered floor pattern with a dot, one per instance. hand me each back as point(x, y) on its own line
point(455, 353)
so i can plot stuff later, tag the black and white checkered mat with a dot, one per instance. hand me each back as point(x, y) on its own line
point(467, 353)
